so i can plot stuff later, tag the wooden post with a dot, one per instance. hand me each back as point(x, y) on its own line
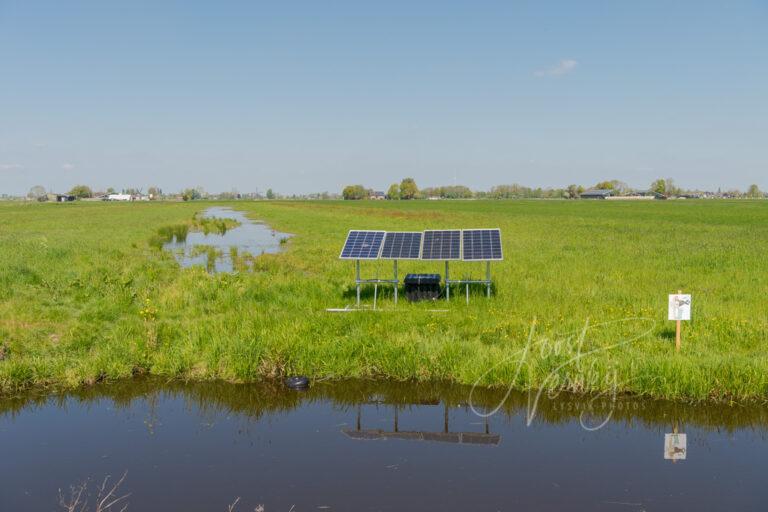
point(677, 330)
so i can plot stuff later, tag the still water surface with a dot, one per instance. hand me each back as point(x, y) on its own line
point(249, 237)
point(363, 445)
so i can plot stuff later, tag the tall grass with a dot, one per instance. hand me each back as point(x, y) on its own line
point(85, 294)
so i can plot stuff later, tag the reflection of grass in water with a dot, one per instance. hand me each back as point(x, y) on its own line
point(178, 232)
point(211, 254)
point(241, 262)
point(215, 225)
point(166, 234)
point(212, 398)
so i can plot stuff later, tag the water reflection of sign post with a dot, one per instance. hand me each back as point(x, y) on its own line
point(674, 446)
point(679, 309)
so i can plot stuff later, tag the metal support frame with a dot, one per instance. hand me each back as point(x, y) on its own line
point(467, 282)
point(375, 282)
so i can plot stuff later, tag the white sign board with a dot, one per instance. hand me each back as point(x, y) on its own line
point(674, 446)
point(679, 307)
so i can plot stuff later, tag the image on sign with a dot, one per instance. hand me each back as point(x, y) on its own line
point(362, 245)
point(679, 307)
point(481, 244)
point(402, 245)
point(442, 245)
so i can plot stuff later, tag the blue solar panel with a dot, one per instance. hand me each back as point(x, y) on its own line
point(442, 245)
point(481, 244)
point(401, 245)
point(362, 245)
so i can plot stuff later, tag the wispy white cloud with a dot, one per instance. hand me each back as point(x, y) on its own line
point(67, 167)
point(561, 68)
point(10, 167)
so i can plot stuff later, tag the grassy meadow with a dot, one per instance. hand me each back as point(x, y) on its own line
point(580, 300)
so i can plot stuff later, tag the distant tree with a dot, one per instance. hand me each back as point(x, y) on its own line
point(448, 192)
point(659, 186)
point(573, 192)
point(671, 189)
point(604, 185)
point(617, 186)
point(81, 191)
point(36, 192)
point(665, 186)
point(754, 191)
point(408, 189)
point(354, 192)
point(394, 191)
point(154, 193)
point(270, 194)
point(111, 190)
point(190, 194)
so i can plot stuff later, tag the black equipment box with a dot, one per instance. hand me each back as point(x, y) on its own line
point(422, 287)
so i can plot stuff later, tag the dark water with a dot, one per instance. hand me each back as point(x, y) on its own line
point(249, 237)
point(376, 446)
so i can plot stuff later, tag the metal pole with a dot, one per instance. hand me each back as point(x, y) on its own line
point(488, 277)
point(396, 282)
point(467, 294)
point(357, 280)
point(447, 285)
point(375, 293)
point(677, 330)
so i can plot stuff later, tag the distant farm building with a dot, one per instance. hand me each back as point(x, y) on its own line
point(57, 198)
point(119, 197)
point(639, 195)
point(378, 195)
point(597, 193)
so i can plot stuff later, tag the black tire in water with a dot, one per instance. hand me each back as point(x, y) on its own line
point(299, 382)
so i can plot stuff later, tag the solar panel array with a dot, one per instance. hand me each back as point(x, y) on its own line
point(442, 245)
point(481, 244)
point(449, 244)
point(362, 245)
point(402, 245)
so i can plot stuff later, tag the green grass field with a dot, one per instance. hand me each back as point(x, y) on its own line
point(86, 295)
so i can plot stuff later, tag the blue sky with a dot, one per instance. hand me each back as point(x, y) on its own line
point(309, 96)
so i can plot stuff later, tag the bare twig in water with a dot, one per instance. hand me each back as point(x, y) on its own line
point(74, 502)
point(231, 508)
point(107, 499)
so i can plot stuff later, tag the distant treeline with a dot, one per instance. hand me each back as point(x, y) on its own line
point(407, 189)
